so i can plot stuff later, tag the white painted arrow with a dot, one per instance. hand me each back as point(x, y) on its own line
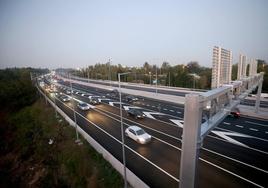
point(225, 135)
point(177, 122)
point(93, 96)
point(149, 114)
point(128, 107)
point(100, 100)
point(112, 103)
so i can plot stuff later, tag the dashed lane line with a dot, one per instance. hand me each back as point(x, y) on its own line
point(265, 140)
point(223, 169)
point(256, 123)
point(240, 126)
point(226, 123)
point(171, 175)
point(253, 129)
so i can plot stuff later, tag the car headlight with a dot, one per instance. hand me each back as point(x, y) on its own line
point(141, 139)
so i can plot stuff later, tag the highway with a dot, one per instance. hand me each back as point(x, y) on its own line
point(151, 88)
point(233, 155)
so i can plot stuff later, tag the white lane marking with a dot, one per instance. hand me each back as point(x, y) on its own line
point(171, 110)
point(100, 100)
point(177, 107)
point(106, 113)
point(240, 126)
point(130, 148)
point(226, 123)
point(134, 150)
point(257, 138)
point(177, 122)
point(256, 123)
point(165, 109)
point(153, 106)
point(266, 132)
point(225, 135)
point(112, 103)
point(128, 107)
point(254, 149)
point(178, 112)
point(91, 106)
point(231, 173)
point(93, 96)
point(147, 105)
point(253, 129)
point(200, 159)
point(176, 179)
point(149, 114)
point(216, 153)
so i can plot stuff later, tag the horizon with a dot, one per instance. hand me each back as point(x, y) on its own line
point(53, 34)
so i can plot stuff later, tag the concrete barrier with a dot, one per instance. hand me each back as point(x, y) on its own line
point(158, 96)
point(132, 179)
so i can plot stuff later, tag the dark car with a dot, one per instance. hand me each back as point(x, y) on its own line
point(234, 114)
point(113, 93)
point(131, 98)
point(135, 113)
point(94, 101)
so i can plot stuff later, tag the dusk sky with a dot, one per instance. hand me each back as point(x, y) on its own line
point(54, 33)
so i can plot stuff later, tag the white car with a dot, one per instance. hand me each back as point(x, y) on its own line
point(65, 98)
point(83, 106)
point(138, 134)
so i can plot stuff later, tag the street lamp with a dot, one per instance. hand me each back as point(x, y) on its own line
point(156, 80)
point(122, 128)
point(110, 72)
point(88, 75)
point(195, 76)
point(150, 77)
point(76, 131)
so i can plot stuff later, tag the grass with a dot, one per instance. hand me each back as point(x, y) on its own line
point(30, 161)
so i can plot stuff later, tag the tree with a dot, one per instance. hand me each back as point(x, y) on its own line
point(193, 67)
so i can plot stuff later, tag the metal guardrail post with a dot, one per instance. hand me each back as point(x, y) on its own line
point(191, 141)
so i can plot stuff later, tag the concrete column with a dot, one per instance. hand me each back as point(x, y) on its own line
point(191, 141)
point(258, 97)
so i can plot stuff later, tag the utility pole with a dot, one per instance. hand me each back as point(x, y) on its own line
point(122, 129)
point(156, 80)
point(169, 79)
point(110, 72)
point(150, 78)
point(76, 131)
point(88, 75)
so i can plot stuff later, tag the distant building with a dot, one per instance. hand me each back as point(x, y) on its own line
point(252, 67)
point(221, 67)
point(242, 67)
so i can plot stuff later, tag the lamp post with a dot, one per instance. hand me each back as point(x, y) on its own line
point(169, 79)
point(76, 131)
point(150, 77)
point(110, 72)
point(195, 76)
point(88, 76)
point(156, 80)
point(122, 129)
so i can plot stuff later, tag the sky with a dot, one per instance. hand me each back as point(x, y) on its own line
point(76, 33)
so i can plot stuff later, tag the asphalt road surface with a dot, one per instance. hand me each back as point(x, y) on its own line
point(233, 155)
